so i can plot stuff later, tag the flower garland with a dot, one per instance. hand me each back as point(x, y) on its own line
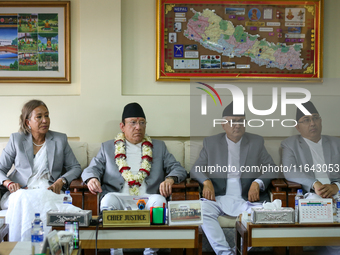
point(134, 181)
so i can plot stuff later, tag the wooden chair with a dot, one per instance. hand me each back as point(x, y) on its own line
point(291, 192)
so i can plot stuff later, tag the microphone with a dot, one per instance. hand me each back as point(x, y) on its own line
point(141, 204)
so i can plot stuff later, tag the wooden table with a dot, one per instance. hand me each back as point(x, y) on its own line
point(278, 235)
point(154, 236)
point(7, 247)
point(4, 230)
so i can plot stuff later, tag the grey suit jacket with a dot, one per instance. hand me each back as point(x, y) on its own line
point(19, 151)
point(104, 168)
point(252, 153)
point(296, 152)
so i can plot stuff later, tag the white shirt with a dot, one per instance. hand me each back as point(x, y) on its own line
point(40, 172)
point(319, 163)
point(232, 202)
point(134, 160)
point(234, 181)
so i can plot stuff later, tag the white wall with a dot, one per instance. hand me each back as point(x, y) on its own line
point(107, 76)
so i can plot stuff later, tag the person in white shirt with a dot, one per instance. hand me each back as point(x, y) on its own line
point(315, 157)
point(133, 166)
point(237, 184)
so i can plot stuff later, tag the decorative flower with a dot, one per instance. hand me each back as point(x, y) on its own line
point(146, 165)
point(147, 151)
point(147, 143)
point(134, 181)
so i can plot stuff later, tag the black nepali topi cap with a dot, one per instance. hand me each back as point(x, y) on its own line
point(133, 110)
point(309, 106)
point(229, 111)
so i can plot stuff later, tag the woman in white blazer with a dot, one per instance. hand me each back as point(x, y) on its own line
point(43, 162)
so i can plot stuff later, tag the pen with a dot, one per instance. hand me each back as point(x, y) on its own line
point(24, 187)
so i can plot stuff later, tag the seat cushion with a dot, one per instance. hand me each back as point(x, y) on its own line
point(80, 152)
point(92, 151)
point(192, 151)
point(176, 148)
point(227, 221)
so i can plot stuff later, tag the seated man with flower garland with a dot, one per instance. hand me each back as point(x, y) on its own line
point(133, 165)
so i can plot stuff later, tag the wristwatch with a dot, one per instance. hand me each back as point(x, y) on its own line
point(64, 181)
point(174, 178)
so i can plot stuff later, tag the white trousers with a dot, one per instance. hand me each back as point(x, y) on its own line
point(224, 205)
point(212, 229)
point(113, 200)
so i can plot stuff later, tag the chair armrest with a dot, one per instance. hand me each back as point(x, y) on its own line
point(293, 185)
point(91, 202)
point(291, 193)
point(77, 184)
point(192, 184)
point(180, 185)
point(279, 184)
point(192, 191)
point(277, 191)
point(83, 198)
point(178, 191)
point(76, 191)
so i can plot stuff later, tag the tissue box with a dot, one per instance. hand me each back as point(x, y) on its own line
point(56, 218)
point(265, 216)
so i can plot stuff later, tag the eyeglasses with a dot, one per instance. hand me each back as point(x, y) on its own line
point(234, 122)
point(309, 120)
point(134, 123)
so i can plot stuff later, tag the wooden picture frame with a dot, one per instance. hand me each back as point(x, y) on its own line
point(35, 42)
point(239, 40)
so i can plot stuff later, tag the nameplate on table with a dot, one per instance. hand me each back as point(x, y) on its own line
point(126, 218)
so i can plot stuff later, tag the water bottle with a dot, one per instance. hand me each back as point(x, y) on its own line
point(67, 198)
point(37, 235)
point(338, 208)
point(298, 196)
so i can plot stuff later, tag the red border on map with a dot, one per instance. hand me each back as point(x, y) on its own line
point(198, 73)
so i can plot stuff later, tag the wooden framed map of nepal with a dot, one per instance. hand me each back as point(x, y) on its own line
point(239, 40)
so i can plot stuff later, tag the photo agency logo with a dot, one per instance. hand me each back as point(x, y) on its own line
point(238, 99)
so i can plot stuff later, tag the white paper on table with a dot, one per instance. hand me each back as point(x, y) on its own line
point(21, 248)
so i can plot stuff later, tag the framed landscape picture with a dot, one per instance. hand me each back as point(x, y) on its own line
point(35, 42)
point(245, 40)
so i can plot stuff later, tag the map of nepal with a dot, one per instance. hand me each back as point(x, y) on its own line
point(221, 36)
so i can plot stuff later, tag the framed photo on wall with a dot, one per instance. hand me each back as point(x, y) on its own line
point(238, 39)
point(35, 42)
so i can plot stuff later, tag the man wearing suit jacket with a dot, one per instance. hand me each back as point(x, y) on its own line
point(241, 184)
point(315, 157)
point(133, 164)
